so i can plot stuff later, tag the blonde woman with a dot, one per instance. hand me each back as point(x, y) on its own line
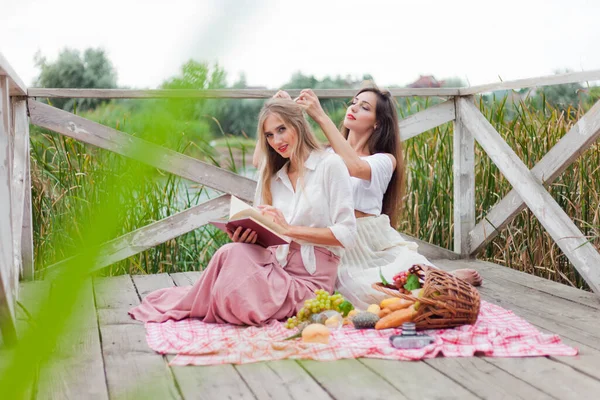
point(304, 189)
point(369, 143)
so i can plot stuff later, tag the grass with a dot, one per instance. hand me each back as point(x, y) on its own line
point(69, 178)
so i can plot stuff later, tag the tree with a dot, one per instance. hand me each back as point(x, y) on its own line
point(563, 96)
point(301, 81)
point(453, 82)
point(236, 116)
point(199, 76)
point(71, 70)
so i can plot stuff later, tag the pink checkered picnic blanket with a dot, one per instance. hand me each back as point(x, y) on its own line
point(497, 332)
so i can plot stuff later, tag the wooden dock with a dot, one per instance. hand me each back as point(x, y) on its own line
point(107, 357)
point(110, 358)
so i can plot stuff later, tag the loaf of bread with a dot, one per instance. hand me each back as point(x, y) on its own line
point(395, 303)
point(315, 333)
point(396, 318)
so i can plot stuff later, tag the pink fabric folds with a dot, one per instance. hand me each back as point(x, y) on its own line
point(243, 285)
point(497, 333)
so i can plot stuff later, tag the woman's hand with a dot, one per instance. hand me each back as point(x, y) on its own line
point(247, 236)
point(276, 214)
point(282, 94)
point(310, 103)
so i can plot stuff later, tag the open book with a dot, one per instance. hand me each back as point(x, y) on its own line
point(241, 214)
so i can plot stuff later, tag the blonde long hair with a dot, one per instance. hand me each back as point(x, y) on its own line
point(386, 139)
point(292, 116)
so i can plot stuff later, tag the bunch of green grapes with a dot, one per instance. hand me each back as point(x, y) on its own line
point(322, 301)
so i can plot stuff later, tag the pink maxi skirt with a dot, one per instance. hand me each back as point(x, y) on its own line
point(243, 284)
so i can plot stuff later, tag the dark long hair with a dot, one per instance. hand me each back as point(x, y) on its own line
point(386, 139)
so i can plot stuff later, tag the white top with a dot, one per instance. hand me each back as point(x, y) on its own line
point(368, 194)
point(322, 200)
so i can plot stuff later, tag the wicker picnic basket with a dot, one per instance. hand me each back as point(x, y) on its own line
point(445, 301)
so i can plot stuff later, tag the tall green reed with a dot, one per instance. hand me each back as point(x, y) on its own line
point(69, 178)
point(531, 132)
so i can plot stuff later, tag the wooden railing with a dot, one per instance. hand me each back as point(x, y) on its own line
point(16, 254)
point(16, 240)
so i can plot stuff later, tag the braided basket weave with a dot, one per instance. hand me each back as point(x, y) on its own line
point(445, 301)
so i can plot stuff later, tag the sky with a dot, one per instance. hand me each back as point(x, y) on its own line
point(268, 40)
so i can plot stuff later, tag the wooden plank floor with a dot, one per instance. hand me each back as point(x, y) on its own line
point(115, 362)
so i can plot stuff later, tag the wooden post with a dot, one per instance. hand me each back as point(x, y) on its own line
point(464, 183)
point(7, 279)
point(21, 190)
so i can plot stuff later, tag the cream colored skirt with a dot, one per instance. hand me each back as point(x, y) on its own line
point(379, 246)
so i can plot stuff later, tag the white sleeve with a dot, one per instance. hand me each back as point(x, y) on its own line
point(382, 169)
point(341, 206)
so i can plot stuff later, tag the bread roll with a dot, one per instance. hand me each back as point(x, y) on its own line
point(315, 333)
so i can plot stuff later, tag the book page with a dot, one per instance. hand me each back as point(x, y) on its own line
point(239, 209)
point(237, 206)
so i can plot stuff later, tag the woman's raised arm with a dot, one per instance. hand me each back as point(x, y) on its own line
point(357, 167)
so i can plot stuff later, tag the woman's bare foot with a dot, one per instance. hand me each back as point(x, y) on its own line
point(469, 275)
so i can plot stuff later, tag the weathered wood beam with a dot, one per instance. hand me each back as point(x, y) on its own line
point(558, 79)
point(580, 252)
point(152, 235)
point(427, 119)
point(16, 87)
point(171, 161)
point(7, 272)
point(20, 128)
point(27, 231)
point(464, 182)
point(221, 93)
point(579, 138)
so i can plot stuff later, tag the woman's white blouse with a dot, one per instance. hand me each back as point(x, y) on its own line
point(368, 194)
point(323, 199)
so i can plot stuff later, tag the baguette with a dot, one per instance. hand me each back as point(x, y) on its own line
point(395, 303)
point(399, 305)
point(386, 302)
point(396, 318)
point(384, 312)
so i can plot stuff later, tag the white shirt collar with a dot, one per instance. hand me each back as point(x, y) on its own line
point(311, 163)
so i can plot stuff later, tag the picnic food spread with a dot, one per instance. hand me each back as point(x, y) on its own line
point(323, 301)
point(423, 297)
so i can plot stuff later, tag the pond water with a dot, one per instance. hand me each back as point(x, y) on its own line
point(192, 193)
